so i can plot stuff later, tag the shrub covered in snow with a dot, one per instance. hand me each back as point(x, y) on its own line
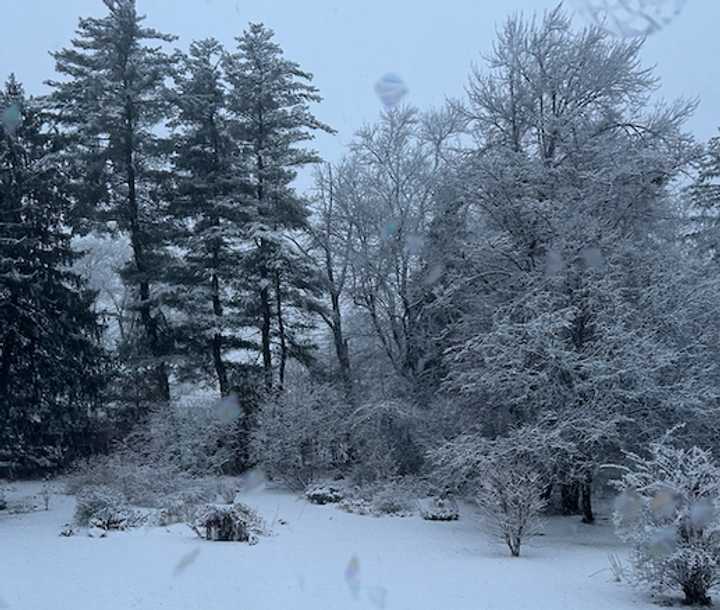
point(390, 500)
point(302, 435)
point(103, 503)
point(181, 506)
point(396, 497)
point(324, 493)
point(384, 436)
point(667, 510)
point(111, 519)
point(439, 509)
point(237, 523)
point(511, 503)
point(142, 480)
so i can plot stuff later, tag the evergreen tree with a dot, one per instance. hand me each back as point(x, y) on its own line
point(112, 101)
point(51, 365)
point(210, 208)
point(269, 102)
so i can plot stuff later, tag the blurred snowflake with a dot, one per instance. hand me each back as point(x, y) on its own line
point(352, 576)
point(186, 561)
point(227, 409)
point(390, 89)
point(11, 118)
point(631, 18)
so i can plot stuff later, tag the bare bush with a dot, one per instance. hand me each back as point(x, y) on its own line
point(98, 502)
point(511, 503)
point(236, 523)
point(302, 435)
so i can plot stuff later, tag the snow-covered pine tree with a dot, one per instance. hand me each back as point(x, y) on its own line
point(51, 363)
point(269, 102)
point(111, 100)
point(210, 207)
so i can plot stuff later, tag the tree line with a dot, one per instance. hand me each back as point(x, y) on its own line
point(530, 271)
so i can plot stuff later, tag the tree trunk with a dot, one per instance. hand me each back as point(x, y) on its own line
point(696, 593)
point(341, 345)
point(586, 499)
point(265, 332)
point(281, 330)
point(8, 348)
point(219, 365)
point(217, 341)
point(569, 493)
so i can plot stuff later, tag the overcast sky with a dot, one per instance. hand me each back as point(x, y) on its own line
point(350, 44)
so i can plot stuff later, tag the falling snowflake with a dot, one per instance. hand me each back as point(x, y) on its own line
point(554, 262)
point(434, 273)
point(227, 409)
point(390, 89)
point(662, 542)
point(352, 576)
point(664, 504)
point(593, 258)
point(11, 118)
point(702, 514)
point(631, 18)
point(186, 561)
point(629, 507)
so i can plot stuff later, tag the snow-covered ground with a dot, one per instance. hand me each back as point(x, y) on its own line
point(319, 558)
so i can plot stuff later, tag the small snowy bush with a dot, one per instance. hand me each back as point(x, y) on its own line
point(511, 503)
point(439, 509)
point(667, 511)
point(396, 498)
point(101, 502)
point(180, 508)
point(392, 501)
point(111, 519)
point(236, 523)
point(324, 493)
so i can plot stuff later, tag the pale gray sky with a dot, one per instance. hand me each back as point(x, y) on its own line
point(349, 44)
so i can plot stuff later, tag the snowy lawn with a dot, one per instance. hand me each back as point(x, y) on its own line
point(318, 558)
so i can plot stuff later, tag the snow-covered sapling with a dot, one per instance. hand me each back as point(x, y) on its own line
point(511, 503)
point(667, 511)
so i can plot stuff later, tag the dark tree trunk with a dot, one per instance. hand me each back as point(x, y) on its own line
point(341, 345)
point(569, 498)
point(8, 348)
point(586, 500)
point(695, 590)
point(265, 334)
point(219, 365)
point(265, 306)
point(547, 492)
point(281, 330)
point(217, 342)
